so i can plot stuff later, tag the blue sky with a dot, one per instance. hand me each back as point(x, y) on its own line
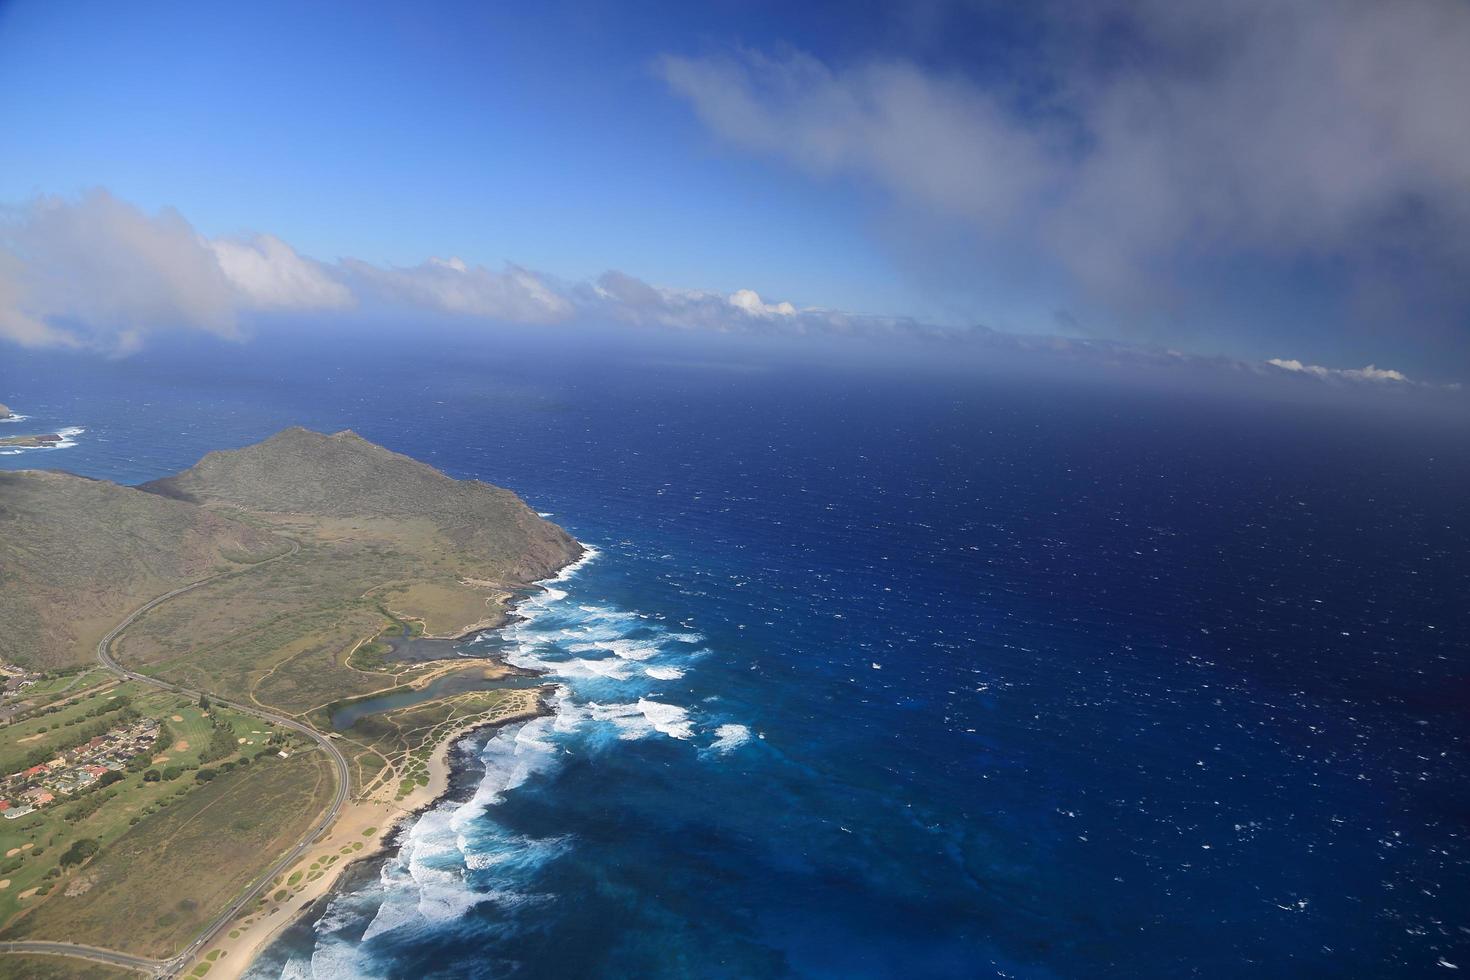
point(392, 134)
point(1226, 181)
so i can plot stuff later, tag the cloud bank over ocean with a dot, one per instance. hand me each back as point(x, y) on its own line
point(1147, 151)
point(98, 273)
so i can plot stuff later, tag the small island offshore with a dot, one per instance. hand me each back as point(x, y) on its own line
point(223, 687)
point(32, 442)
point(47, 440)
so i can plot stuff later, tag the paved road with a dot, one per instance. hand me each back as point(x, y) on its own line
point(96, 955)
point(171, 967)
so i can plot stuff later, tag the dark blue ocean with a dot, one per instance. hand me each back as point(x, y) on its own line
point(890, 672)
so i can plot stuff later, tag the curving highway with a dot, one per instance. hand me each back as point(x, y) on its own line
point(170, 967)
point(157, 968)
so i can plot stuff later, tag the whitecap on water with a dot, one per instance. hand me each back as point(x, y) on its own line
point(623, 649)
point(729, 737)
point(670, 719)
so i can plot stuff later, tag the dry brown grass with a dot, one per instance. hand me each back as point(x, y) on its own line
point(155, 887)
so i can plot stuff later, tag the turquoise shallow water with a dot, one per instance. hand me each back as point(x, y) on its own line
point(880, 676)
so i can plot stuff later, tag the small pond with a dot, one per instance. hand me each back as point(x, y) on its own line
point(346, 715)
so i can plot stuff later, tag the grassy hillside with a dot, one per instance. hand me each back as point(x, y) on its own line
point(76, 555)
point(345, 476)
point(381, 536)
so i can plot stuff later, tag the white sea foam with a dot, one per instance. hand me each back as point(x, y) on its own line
point(575, 668)
point(628, 719)
point(516, 854)
point(391, 915)
point(607, 613)
point(336, 960)
point(664, 673)
point(589, 552)
point(623, 649)
point(510, 757)
point(615, 670)
point(670, 719)
point(729, 738)
point(296, 970)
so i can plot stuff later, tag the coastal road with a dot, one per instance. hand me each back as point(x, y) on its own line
point(142, 964)
point(171, 966)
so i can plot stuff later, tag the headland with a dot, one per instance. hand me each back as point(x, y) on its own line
point(275, 612)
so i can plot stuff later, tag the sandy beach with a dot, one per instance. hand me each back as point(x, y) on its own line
point(361, 831)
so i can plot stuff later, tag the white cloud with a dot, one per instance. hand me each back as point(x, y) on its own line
point(270, 275)
point(618, 296)
point(100, 273)
point(1331, 130)
point(1369, 373)
point(16, 324)
point(937, 142)
point(750, 301)
point(453, 286)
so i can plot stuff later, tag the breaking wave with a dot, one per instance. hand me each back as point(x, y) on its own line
point(606, 663)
